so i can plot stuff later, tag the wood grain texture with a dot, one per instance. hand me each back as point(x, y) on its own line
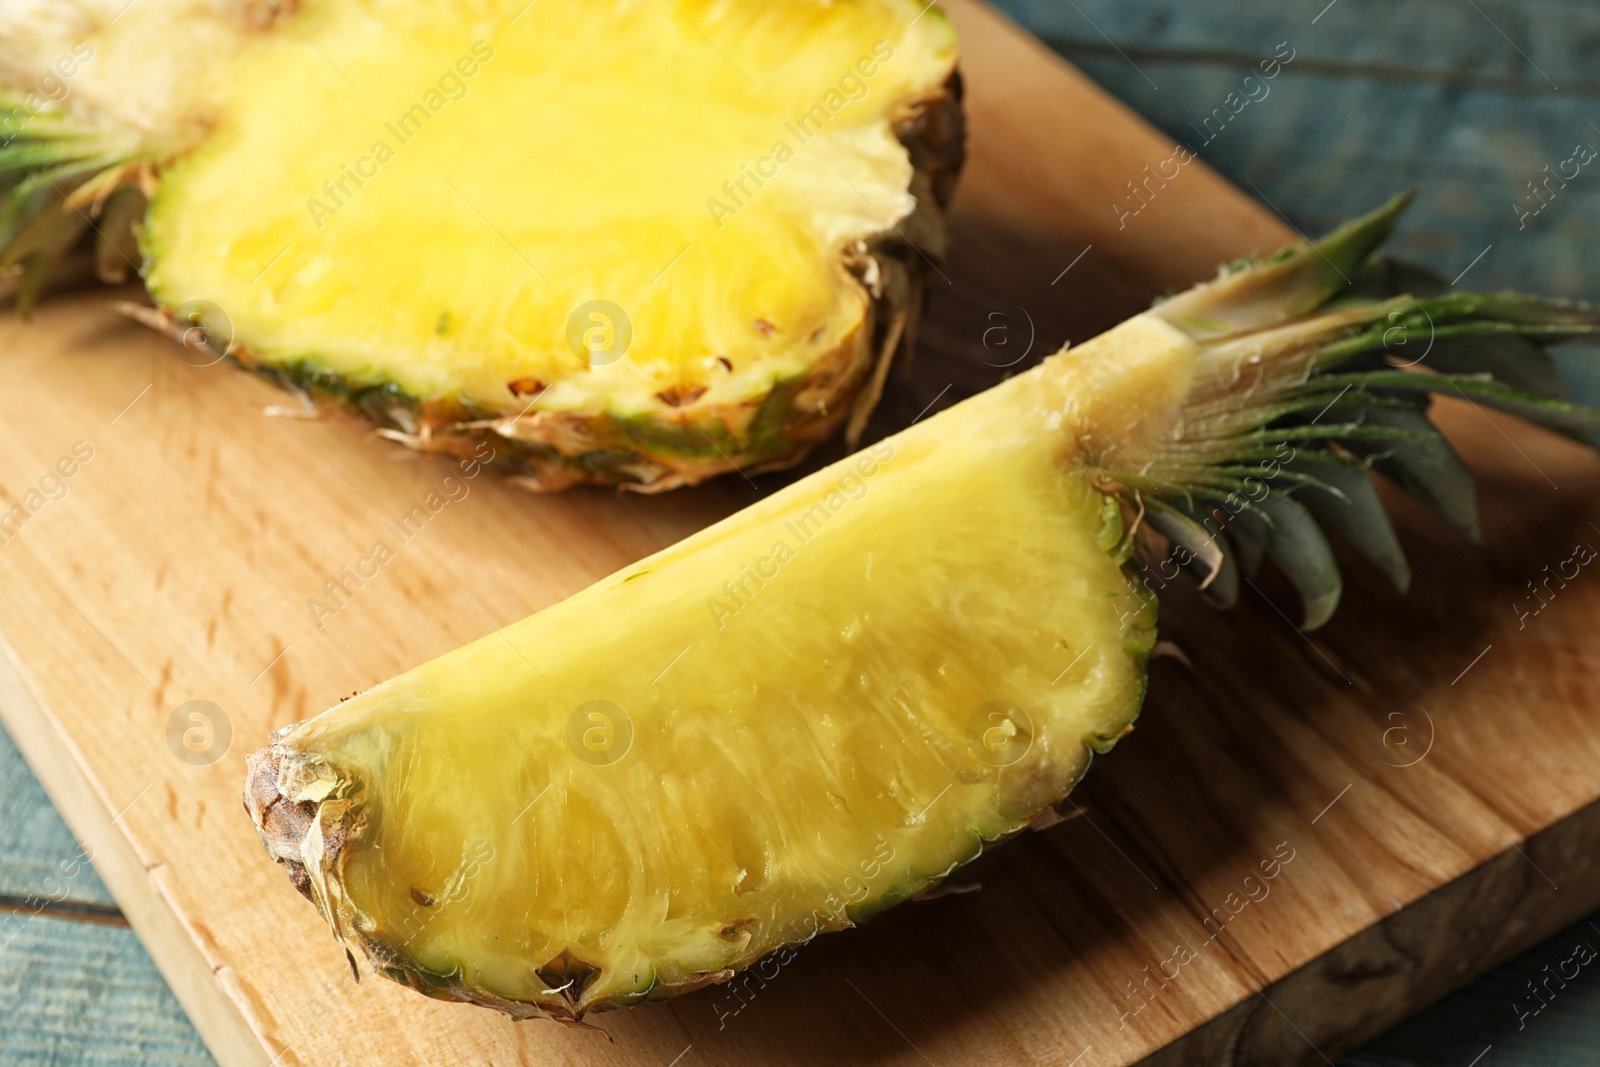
point(179, 562)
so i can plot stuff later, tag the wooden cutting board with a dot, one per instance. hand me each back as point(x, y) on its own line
point(1420, 780)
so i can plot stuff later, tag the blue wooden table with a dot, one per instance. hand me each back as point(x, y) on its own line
point(1470, 99)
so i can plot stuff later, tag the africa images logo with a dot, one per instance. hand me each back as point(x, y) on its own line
point(452, 86)
point(849, 487)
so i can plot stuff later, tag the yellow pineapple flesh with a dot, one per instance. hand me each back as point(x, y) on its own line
point(807, 712)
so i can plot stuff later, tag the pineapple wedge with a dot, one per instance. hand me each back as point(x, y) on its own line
point(824, 704)
point(636, 244)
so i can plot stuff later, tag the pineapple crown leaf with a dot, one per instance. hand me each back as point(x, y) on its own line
point(55, 183)
point(1317, 367)
point(1293, 282)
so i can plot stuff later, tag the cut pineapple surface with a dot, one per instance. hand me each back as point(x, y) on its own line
point(618, 177)
point(788, 722)
point(628, 241)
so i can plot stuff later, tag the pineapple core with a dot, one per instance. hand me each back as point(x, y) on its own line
point(606, 207)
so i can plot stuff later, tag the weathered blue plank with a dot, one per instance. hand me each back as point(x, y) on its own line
point(72, 992)
point(39, 859)
point(1532, 46)
point(1378, 97)
point(1323, 149)
point(78, 995)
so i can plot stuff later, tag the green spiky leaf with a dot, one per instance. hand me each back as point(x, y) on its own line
point(1482, 388)
point(1424, 465)
point(1248, 531)
point(1296, 544)
point(1285, 286)
point(1354, 512)
point(1512, 360)
point(1204, 554)
point(40, 169)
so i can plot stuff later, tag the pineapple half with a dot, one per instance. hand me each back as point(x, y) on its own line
point(632, 242)
point(823, 705)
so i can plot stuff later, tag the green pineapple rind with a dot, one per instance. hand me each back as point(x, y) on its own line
point(641, 452)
